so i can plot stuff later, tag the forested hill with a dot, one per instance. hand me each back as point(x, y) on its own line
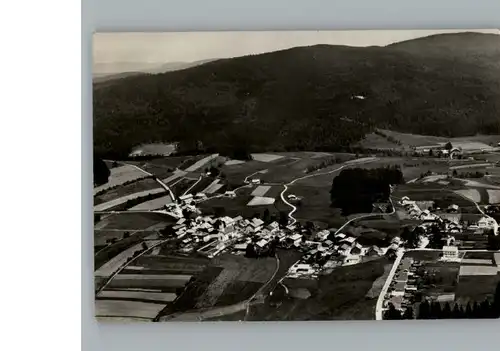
point(303, 98)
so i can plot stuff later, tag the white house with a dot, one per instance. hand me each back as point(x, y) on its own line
point(488, 223)
point(186, 198)
point(450, 252)
point(230, 193)
point(255, 181)
point(352, 259)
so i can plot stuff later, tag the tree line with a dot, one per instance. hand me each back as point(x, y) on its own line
point(436, 310)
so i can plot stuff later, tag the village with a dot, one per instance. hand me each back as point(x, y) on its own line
point(322, 249)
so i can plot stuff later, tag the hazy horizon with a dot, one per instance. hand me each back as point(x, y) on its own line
point(124, 52)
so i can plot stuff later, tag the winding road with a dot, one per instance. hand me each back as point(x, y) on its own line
point(346, 164)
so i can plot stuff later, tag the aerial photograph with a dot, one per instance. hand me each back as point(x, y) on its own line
point(296, 175)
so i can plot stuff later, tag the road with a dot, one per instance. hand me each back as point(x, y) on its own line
point(192, 186)
point(172, 196)
point(381, 297)
point(282, 195)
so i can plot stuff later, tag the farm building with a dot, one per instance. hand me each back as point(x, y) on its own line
point(450, 252)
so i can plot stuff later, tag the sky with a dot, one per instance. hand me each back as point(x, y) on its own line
point(119, 52)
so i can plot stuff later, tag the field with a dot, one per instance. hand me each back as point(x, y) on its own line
point(375, 141)
point(227, 280)
point(265, 157)
point(476, 288)
point(212, 187)
point(122, 200)
point(471, 143)
point(472, 194)
point(120, 175)
point(261, 201)
point(132, 221)
point(442, 196)
point(152, 204)
point(340, 295)
point(111, 266)
point(200, 163)
point(260, 190)
point(119, 308)
point(127, 189)
point(153, 149)
point(137, 295)
point(238, 205)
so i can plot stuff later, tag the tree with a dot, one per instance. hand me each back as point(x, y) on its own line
point(392, 313)
point(446, 313)
point(101, 171)
point(219, 211)
point(283, 220)
point(457, 312)
point(496, 302)
point(469, 312)
point(424, 310)
point(267, 216)
point(476, 310)
point(493, 240)
point(409, 313)
point(486, 309)
point(455, 173)
point(126, 235)
point(435, 311)
point(250, 251)
point(431, 154)
point(448, 146)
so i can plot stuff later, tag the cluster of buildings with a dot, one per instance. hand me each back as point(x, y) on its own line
point(449, 220)
point(403, 286)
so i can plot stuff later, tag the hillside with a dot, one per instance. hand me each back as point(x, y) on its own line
point(302, 98)
point(134, 69)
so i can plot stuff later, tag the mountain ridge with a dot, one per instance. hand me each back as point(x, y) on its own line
point(302, 98)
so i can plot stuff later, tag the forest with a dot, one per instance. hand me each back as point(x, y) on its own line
point(355, 190)
point(304, 98)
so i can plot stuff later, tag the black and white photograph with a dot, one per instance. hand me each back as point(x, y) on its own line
point(296, 175)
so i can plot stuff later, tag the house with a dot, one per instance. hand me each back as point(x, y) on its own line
point(241, 246)
point(256, 222)
point(349, 240)
point(356, 249)
point(487, 223)
point(181, 221)
point(262, 243)
point(352, 259)
point(255, 181)
point(374, 251)
point(345, 248)
point(340, 236)
point(399, 289)
point(401, 277)
point(453, 208)
point(186, 198)
point(322, 235)
point(273, 226)
point(450, 252)
point(396, 240)
point(200, 196)
point(230, 193)
point(396, 301)
point(296, 237)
